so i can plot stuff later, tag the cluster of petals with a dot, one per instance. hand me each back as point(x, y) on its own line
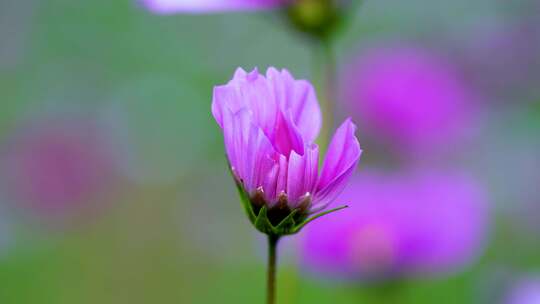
point(270, 124)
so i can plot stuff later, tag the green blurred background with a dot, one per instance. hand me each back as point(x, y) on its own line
point(170, 228)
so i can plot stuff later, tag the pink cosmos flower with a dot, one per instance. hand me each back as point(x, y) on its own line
point(55, 167)
point(399, 226)
point(409, 96)
point(270, 125)
point(206, 6)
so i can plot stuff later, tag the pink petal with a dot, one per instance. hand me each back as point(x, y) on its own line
point(299, 97)
point(326, 195)
point(248, 149)
point(250, 91)
point(302, 174)
point(270, 183)
point(275, 181)
point(287, 136)
point(281, 185)
point(341, 160)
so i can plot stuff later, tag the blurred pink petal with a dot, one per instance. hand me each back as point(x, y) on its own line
point(399, 225)
point(56, 166)
point(207, 6)
point(407, 96)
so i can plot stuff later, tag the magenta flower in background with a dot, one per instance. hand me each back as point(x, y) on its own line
point(399, 226)
point(408, 95)
point(207, 6)
point(526, 291)
point(270, 125)
point(54, 167)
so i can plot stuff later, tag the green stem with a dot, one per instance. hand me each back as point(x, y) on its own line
point(271, 277)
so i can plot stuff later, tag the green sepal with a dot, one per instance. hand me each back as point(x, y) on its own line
point(291, 224)
point(288, 224)
point(285, 227)
point(244, 198)
point(263, 224)
point(316, 216)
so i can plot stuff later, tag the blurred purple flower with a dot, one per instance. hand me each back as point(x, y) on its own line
point(407, 94)
point(207, 6)
point(269, 126)
point(55, 166)
point(399, 226)
point(525, 292)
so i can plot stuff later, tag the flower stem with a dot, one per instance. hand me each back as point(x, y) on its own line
point(271, 278)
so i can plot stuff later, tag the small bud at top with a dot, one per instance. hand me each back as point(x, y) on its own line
point(318, 18)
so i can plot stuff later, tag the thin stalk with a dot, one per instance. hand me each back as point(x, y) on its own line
point(271, 277)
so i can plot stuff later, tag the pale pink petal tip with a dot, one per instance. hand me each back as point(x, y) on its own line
point(207, 6)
